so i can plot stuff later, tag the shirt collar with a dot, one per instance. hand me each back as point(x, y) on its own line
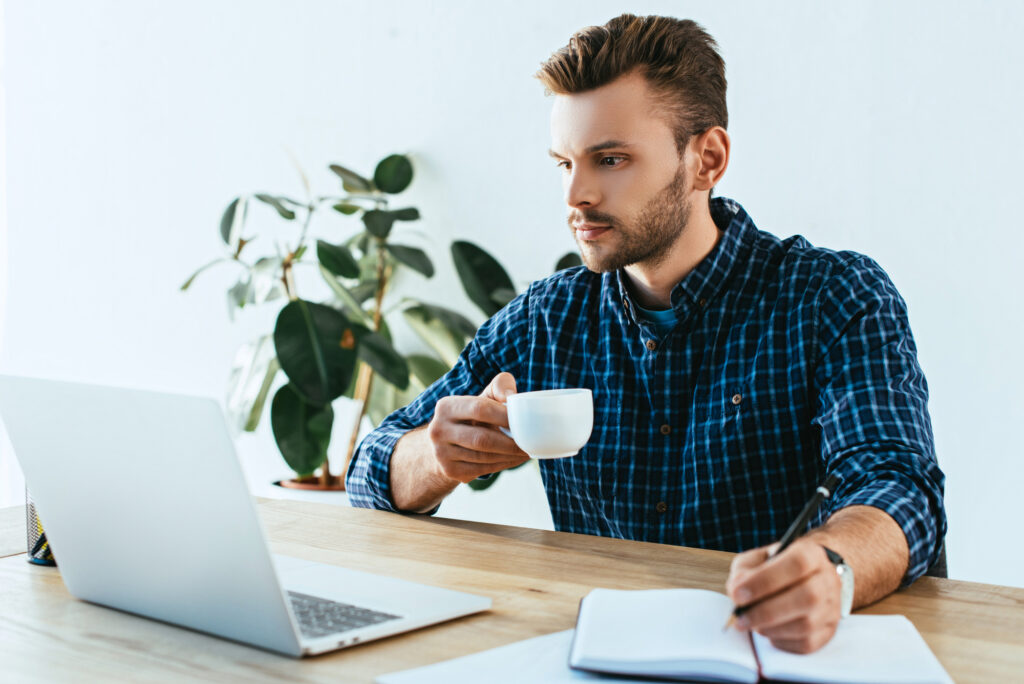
point(701, 285)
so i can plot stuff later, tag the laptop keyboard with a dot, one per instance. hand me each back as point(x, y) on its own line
point(319, 617)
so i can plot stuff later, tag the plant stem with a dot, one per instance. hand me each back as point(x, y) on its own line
point(310, 208)
point(288, 278)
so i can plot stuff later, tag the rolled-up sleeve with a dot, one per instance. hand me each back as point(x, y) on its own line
point(872, 409)
point(493, 350)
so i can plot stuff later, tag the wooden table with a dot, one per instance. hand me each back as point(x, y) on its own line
point(536, 579)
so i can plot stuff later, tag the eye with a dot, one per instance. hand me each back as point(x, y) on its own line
point(611, 161)
point(563, 164)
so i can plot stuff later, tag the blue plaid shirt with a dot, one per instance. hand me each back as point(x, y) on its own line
point(786, 362)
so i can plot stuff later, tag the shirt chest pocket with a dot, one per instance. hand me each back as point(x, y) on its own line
point(593, 473)
point(717, 435)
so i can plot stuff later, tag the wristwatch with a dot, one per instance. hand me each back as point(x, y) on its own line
point(845, 573)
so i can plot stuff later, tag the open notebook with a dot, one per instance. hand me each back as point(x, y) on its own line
point(677, 633)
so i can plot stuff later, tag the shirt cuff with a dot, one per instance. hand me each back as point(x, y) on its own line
point(368, 481)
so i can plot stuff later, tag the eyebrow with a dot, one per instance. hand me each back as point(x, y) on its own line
point(599, 147)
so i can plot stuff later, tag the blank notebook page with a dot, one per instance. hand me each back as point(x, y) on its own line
point(642, 631)
point(866, 649)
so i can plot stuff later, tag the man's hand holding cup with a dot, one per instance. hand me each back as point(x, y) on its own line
point(465, 434)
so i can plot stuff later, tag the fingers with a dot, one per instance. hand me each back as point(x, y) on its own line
point(465, 437)
point(806, 644)
point(464, 465)
point(791, 598)
point(809, 602)
point(748, 560)
point(482, 410)
point(751, 583)
point(466, 471)
point(481, 444)
point(501, 386)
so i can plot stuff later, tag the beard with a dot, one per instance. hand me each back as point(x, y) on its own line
point(644, 239)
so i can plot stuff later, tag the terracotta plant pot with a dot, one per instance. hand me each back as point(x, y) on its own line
point(335, 484)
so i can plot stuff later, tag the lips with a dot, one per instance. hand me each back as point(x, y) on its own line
point(590, 231)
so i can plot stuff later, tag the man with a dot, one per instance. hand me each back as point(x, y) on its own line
point(732, 371)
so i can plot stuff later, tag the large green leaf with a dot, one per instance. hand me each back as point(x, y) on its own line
point(256, 410)
point(346, 297)
point(278, 203)
point(480, 484)
point(382, 401)
point(337, 259)
point(350, 180)
point(426, 369)
point(481, 275)
point(503, 296)
point(365, 290)
point(393, 174)
point(316, 347)
point(375, 350)
point(453, 320)
point(385, 330)
point(360, 241)
point(265, 281)
point(370, 261)
point(347, 208)
point(385, 398)
point(445, 341)
point(232, 220)
point(252, 373)
point(238, 294)
point(302, 430)
point(568, 260)
point(378, 222)
point(412, 257)
point(407, 214)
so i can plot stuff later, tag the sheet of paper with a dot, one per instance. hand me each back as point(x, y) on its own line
point(541, 659)
point(864, 650)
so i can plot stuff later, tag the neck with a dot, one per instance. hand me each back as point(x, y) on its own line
point(651, 283)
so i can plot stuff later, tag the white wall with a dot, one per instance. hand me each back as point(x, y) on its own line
point(889, 128)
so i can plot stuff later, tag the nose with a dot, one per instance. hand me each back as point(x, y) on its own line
point(581, 189)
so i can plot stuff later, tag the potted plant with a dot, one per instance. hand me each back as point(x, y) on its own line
point(343, 346)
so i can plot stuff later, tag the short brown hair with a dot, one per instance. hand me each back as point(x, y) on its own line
point(677, 56)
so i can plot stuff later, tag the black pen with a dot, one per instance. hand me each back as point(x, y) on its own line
point(795, 530)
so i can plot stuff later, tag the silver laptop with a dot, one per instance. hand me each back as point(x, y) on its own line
point(147, 510)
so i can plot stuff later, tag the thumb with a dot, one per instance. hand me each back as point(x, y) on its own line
point(500, 388)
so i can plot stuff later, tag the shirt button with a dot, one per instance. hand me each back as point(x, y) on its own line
point(651, 345)
point(703, 302)
point(736, 399)
point(665, 429)
point(661, 507)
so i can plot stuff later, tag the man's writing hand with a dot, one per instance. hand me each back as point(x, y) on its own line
point(465, 437)
point(793, 598)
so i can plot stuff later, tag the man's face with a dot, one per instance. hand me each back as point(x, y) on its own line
point(623, 178)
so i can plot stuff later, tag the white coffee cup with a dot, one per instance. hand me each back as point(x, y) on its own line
point(551, 423)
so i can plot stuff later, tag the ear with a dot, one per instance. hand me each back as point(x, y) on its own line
point(711, 155)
